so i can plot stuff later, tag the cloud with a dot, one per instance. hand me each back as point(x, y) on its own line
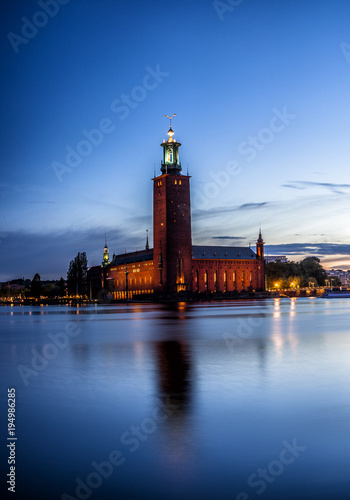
point(250, 206)
point(43, 202)
point(333, 188)
point(292, 186)
point(308, 249)
point(225, 210)
point(49, 254)
point(227, 238)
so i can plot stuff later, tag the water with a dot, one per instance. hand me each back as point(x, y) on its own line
point(237, 400)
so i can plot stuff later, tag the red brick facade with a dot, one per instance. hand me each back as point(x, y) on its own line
point(174, 265)
point(172, 255)
point(226, 275)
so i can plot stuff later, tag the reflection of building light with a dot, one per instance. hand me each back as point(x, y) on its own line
point(139, 353)
point(277, 340)
point(292, 307)
point(293, 341)
point(276, 313)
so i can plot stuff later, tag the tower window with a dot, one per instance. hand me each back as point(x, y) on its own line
point(180, 183)
point(175, 181)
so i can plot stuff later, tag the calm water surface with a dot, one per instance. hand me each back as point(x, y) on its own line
point(237, 400)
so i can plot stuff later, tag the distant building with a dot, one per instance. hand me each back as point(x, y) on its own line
point(276, 258)
point(174, 264)
point(342, 276)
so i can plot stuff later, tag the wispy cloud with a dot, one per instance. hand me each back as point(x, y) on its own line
point(308, 249)
point(229, 209)
point(43, 202)
point(334, 188)
point(227, 238)
point(252, 206)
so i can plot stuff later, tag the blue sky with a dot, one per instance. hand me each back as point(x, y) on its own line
point(261, 92)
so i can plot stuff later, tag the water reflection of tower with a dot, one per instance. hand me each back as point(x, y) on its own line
point(175, 389)
point(174, 372)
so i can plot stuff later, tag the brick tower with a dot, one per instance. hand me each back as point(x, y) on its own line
point(172, 241)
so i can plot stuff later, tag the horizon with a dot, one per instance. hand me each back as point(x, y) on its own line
point(261, 97)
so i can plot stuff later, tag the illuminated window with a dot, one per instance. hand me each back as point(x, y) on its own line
point(180, 183)
point(175, 181)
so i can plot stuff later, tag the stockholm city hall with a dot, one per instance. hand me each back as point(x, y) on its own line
point(174, 265)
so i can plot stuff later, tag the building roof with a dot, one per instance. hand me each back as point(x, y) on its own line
point(198, 252)
point(217, 252)
point(129, 258)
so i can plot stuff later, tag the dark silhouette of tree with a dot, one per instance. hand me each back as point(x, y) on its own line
point(62, 286)
point(36, 286)
point(76, 275)
point(313, 271)
point(301, 273)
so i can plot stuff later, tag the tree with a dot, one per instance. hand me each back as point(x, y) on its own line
point(36, 286)
point(76, 275)
point(62, 286)
point(294, 274)
point(313, 271)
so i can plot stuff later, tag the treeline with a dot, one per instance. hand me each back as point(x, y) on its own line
point(34, 288)
point(295, 274)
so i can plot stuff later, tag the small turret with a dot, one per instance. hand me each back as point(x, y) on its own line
point(260, 247)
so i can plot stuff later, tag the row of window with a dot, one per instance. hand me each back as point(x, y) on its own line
point(159, 183)
point(130, 293)
point(243, 275)
point(134, 281)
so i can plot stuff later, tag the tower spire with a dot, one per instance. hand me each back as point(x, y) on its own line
point(147, 245)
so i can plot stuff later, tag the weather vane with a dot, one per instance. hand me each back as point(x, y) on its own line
point(170, 117)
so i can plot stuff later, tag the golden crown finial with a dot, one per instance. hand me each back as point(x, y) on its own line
point(170, 131)
point(170, 117)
